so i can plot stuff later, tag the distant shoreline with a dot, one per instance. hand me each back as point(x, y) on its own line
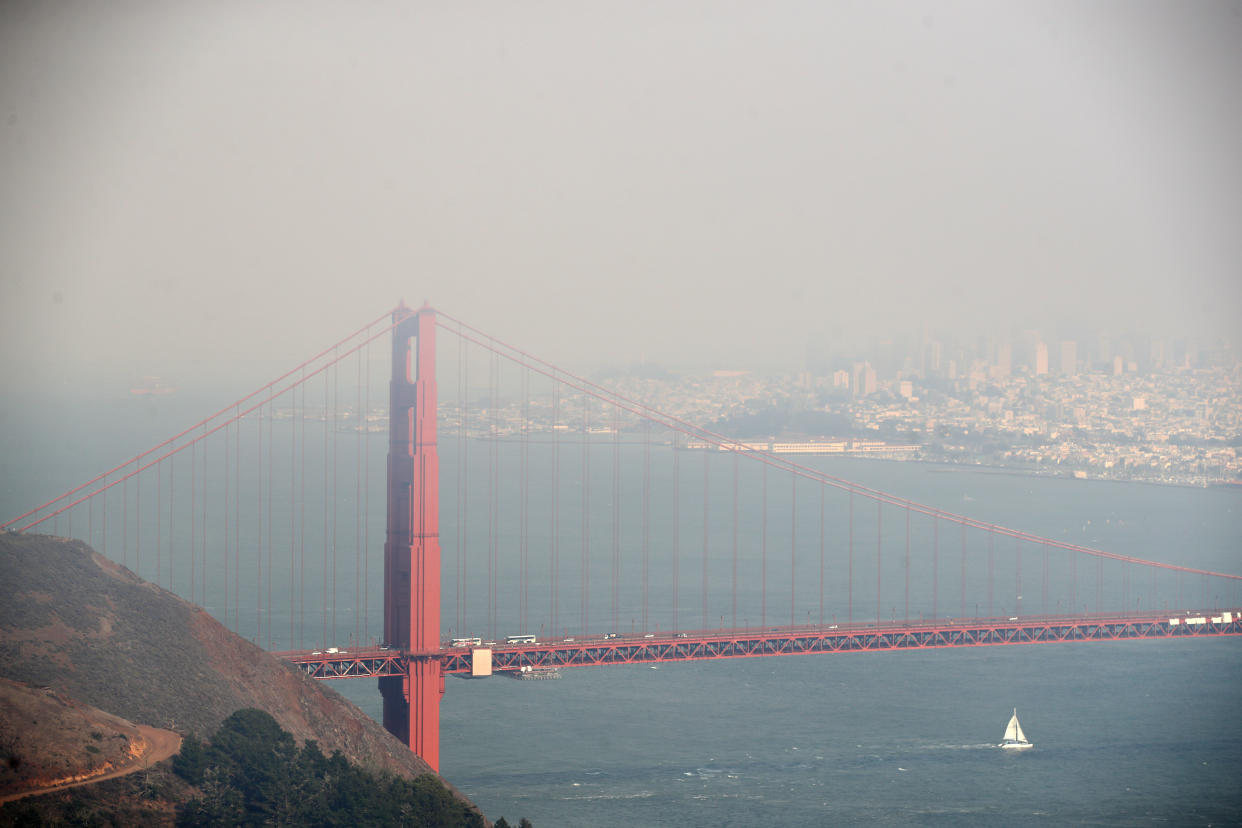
point(950, 467)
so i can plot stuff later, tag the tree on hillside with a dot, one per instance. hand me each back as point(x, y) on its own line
point(253, 773)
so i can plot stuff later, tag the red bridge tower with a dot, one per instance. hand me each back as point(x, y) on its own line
point(412, 547)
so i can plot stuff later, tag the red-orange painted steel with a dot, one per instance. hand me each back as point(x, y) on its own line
point(845, 638)
point(639, 648)
point(412, 548)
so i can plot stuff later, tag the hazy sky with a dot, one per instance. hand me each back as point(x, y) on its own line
point(188, 185)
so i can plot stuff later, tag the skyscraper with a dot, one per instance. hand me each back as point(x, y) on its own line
point(1004, 360)
point(1069, 358)
point(1041, 358)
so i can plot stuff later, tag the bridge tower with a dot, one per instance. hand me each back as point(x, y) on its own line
point(412, 545)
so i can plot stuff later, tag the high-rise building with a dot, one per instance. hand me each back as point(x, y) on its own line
point(864, 379)
point(1069, 358)
point(1041, 359)
point(1004, 360)
point(933, 356)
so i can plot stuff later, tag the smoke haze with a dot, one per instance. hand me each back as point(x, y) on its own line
point(218, 187)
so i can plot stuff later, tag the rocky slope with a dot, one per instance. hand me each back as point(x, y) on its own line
point(49, 741)
point(84, 628)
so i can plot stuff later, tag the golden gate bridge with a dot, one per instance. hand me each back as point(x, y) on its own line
point(570, 525)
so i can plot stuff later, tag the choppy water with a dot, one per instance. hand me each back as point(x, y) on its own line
point(1131, 733)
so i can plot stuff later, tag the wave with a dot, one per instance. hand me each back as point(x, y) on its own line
point(589, 797)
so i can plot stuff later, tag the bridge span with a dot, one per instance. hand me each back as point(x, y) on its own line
point(700, 645)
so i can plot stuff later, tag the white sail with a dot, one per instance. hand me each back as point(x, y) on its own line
point(1014, 737)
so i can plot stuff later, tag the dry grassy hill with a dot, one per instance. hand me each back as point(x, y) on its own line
point(82, 628)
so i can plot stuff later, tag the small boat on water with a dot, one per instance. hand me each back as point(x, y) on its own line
point(1014, 739)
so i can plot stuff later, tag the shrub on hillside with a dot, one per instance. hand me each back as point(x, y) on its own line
point(253, 773)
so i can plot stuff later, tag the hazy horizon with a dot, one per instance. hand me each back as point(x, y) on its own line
point(221, 188)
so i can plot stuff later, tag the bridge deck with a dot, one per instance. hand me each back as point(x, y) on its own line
point(751, 643)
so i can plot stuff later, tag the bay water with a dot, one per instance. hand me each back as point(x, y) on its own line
point(1125, 733)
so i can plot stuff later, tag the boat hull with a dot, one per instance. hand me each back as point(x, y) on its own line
point(1016, 745)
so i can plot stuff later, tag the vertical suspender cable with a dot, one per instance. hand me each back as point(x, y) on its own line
point(237, 523)
point(616, 513)
point(554, 566)
point(584, 571)
point(907, 564)
point(336, 482)
point(1125, 587)
point(465, 487)
point(706, 460)
point(991, 557)
point(646, 515)
point(159, 522)
point(850, 604)
point(460, 508)
point(1152, 573)
point(258, 593)
point(524, 517)
point(1099, 583)
point(822, 488)
point(203, 539)
point(879, 557)
point(1073, 556)
point(366, 493)
point(737, 460)
point(302, 520)
point(493, 574)
point(793, 545)
point(336, 477)
point(271, 474)
point(138, 525)
point(1043, 591)
point(962, 612)
point(236, 506)
point(676, 526)
point(293, 507)
point(936, 565)
point(324, 641)
point(172, 518)
point(193, 519)
point(763, 545)
point(1017, 542)
point(228, 465)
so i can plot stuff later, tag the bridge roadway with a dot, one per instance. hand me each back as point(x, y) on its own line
point(639, 648)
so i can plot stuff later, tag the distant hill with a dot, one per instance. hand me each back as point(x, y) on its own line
point(81, 627)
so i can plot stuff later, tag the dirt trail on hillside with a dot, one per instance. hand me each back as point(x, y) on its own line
point(160, 745)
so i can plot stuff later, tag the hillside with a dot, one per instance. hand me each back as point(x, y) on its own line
point(82, 629)
point(67, 742)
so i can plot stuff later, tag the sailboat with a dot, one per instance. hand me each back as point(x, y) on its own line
point(1015, 739)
